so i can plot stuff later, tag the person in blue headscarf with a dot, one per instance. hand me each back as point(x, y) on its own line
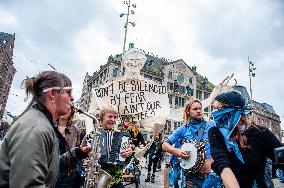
point(238, 146)
point(193, 122)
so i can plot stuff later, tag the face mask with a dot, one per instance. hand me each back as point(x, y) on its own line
point(222, 116)
point(215, 113)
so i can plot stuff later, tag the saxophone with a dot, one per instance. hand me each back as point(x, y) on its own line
point(95, 176)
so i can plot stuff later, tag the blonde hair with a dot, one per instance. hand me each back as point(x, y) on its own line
point(187, 106)
point(107, 108)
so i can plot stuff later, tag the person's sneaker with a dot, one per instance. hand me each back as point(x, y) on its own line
point(153, 179)
point(148, 178)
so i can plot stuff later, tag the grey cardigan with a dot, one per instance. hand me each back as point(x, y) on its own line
point(29, 155)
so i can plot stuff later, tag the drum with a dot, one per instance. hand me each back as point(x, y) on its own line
point(196, 158)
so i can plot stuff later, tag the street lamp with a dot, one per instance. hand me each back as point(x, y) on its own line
point(129, 11)
point(251, 74)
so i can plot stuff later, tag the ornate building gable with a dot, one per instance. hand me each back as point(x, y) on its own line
point(180, 72)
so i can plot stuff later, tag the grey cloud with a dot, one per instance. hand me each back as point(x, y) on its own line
point(225, 32)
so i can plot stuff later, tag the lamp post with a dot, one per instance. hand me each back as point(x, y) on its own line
point(129, 11)
point(251, 74)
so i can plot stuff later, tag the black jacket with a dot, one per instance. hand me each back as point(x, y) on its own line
point(262, 143)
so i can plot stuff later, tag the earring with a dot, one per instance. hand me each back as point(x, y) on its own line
point(53, 100)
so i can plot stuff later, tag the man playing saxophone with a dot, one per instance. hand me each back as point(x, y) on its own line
point(108, 116)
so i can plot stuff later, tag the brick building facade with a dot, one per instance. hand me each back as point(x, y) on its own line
point(7, 69)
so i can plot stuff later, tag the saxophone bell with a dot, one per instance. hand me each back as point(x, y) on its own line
point(104, 179)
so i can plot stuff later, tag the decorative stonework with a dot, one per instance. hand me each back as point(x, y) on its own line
point(133, 60)
point(179, 72)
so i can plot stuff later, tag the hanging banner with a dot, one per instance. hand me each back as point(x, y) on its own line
point(137, 98)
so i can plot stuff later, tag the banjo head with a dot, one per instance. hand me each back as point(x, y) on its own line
point(191, 161)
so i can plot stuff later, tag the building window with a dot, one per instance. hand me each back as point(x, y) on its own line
point(170, 75)
point(170, 86)
point(151, 62)
point(168, 124)
point(176, 100)
point(114, 72)
point(170, 99)
point(180, 89)
point(189, 91)
point(179, 101)
point(199, 94)
point(182, 101)
point(206, 111)
point(180, 79)
point(123, 71)
point(206, 95)
point(190, 80)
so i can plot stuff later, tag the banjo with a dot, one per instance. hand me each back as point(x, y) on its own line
point(196, 158)
point(196, 150)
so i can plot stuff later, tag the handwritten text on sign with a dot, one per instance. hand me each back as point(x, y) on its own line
point(138, 98)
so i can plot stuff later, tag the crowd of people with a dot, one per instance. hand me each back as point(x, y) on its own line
point(45, 148)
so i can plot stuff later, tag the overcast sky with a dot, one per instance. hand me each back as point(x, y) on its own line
point(217, 36)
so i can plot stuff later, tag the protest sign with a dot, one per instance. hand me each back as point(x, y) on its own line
point(137, 98)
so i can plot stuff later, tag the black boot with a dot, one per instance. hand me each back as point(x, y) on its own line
point(153, 178)
point(148, 177)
